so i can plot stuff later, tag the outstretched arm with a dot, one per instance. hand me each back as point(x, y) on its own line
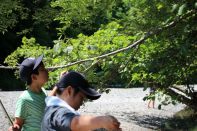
point(88, 122)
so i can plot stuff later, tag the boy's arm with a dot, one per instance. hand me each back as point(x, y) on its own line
point(53, 92)
point(17, 125)
point(87, 122)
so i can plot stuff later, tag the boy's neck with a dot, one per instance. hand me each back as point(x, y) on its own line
point(35, 88)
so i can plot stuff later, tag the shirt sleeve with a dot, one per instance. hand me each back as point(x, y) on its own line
point(44, 91)
point(65, 121)
point(20, 108)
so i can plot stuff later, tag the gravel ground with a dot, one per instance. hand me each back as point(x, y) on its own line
point(125, 104)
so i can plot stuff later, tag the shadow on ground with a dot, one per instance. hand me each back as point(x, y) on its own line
point(160, 123)
point(186, 124)
point(147, 121)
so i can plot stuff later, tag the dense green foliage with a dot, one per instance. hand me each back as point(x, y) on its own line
point(91, 28)
point(18, 18)
point(33, 18)
point(83, 16)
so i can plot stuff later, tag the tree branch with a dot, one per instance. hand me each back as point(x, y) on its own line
point(9, 67)
point(86, 70)
point(181, 98)
point(140, 41)
point(178, 88)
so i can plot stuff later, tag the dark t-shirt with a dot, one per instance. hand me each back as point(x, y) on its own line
point(57, 118)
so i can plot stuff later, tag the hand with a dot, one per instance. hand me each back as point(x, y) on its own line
point(112, 124)
point(63, 72)
point(53, 92)
point(15, 127)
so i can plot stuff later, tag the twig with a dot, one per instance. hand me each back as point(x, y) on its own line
point(6, 113)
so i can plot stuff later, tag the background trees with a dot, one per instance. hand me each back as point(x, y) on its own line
point(18, 18)
point(164, 56)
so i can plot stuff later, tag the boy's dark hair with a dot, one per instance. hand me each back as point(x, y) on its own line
point(28, 67)
point(79, 83)
point(60, 90)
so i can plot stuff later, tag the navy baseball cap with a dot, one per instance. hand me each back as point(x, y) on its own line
point(77, 80)
point(28, 66)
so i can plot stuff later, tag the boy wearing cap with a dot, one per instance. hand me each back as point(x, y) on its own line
point(30, 105)
point(60, 112)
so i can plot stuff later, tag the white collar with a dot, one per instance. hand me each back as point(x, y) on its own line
point(56, 101)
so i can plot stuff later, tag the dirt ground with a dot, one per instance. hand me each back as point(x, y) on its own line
point(126, 105)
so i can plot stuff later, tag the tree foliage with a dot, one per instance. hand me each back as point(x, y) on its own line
point(19, 18)
point(90, 28)
point(83, 16)
point(33, 18)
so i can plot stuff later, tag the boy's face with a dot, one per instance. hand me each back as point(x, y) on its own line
point(43, 76)
point(78, 99)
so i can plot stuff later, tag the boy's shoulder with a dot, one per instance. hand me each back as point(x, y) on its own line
point(24, 95)
point(29, 95)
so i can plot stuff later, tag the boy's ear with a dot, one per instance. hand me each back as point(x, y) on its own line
point(69, 89)
point(33, 77)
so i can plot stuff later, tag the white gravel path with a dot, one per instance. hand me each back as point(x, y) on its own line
point(125, 104)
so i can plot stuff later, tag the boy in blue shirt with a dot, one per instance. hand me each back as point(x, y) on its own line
point(61, 110)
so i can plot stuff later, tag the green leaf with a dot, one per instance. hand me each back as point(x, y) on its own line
point(159, 6)
point(182, 9)
point(195, 5)
point(56, 47)
point(175, 7)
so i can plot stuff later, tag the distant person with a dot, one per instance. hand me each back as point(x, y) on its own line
point(61, 114)
point(151, 103)
point(31, 103)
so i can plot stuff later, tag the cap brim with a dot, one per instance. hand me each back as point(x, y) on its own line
point(38, 61)
point(90, 93)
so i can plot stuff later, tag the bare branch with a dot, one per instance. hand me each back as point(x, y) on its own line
point(9, 67)
point(93, 64)
point(140, 41)
point(178, 88)
point(181, 98)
